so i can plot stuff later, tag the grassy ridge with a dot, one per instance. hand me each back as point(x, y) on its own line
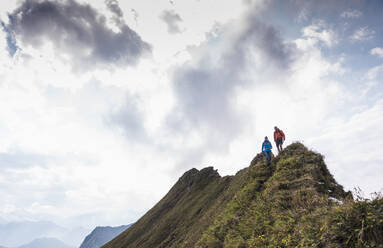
point(179, 219)
point(294, 202)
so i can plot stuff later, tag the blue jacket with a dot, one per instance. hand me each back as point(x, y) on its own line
point(266, 146)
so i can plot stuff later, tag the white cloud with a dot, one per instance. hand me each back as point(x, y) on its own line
point(320, 32)
point(5, 7)
point(363, 33)
point(377, 51)
point(4, 55)
point(298, 103)
point(373, 73)
point(353, 148)
point(351, 14)
point(65, 158)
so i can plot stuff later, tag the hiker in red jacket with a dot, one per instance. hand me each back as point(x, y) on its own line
point(279, 138)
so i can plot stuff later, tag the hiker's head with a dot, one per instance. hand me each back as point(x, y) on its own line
point(276, 128)
point(266, 138)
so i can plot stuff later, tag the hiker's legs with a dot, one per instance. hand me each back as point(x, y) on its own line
point(269, 152)
point(279, 145)
point(268, 157)
point(265, 153)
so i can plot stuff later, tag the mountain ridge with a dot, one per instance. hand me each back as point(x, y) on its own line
point(290, 203)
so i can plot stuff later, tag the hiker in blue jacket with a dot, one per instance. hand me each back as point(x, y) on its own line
point(266, 149)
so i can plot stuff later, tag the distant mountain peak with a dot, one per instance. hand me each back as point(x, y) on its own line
point(14, 234)
point(101, 235)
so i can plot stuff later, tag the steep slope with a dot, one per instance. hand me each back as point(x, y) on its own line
point(184, 213)
point(294, 202)
point(101, 235)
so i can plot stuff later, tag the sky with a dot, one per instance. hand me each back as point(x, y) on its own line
point(105, 104)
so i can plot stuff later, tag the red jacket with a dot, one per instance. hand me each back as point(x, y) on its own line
point(279, 135)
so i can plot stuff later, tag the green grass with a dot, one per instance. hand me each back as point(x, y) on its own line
point(286, 204)
point(179, 219)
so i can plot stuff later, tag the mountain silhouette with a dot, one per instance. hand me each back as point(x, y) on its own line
point(101, 235)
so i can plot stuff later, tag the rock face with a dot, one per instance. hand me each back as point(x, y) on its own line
point(101, 235)
point(294, 202)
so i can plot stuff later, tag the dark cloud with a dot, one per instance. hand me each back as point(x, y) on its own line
point(172, 19)
point(114, 7)
point(263, 39)
point(206, 89)
point(78, 31)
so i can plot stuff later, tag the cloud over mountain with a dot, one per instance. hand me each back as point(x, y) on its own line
point(206, 87)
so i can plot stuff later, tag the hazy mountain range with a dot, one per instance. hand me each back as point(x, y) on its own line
point(46, 234)
point(46, 243)
point(15, 234)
